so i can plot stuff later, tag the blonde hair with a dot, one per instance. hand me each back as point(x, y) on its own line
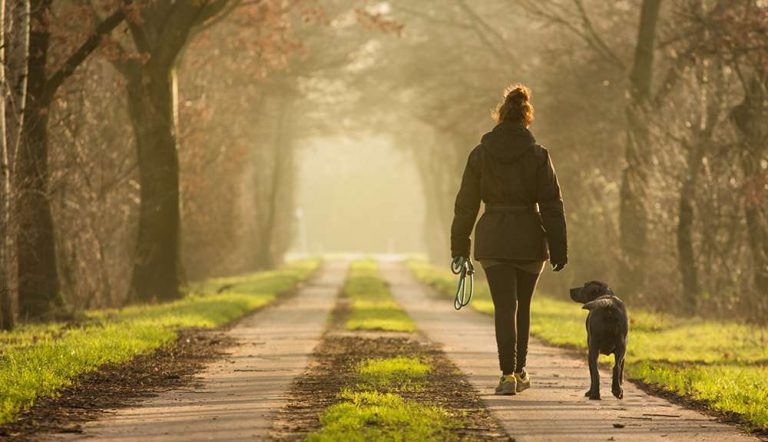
point(516, 106)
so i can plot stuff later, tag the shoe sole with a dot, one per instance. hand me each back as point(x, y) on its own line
point(501, 392)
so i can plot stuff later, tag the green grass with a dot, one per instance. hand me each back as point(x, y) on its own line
point(724, 363)
point(374, 416)
point(37, 360)
point(400, 373)
point(371, 303)
point(373, 409)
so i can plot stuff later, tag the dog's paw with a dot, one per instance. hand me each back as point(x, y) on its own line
point(618, 392)
point(592, 395)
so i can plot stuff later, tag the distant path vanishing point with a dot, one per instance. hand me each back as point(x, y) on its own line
point(236, 397)
point(555, 408)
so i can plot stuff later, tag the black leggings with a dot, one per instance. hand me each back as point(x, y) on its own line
point(511, 290)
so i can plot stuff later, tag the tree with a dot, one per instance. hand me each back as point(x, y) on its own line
point(159, 31)
point(633, 217)
point(6, 305)
point(38, 285)
point(742, 38)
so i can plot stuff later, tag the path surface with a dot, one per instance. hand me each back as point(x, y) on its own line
point(236, 397)
point(555, 409)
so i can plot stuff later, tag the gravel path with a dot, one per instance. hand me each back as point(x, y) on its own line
point(555, 409)
point(236, 398)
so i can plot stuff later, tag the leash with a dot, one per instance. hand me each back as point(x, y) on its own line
point(463, 267)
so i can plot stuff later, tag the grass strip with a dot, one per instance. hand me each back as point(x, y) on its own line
point(377, 404)
point(724, 364)
point(401, 373)
point(37, 360)
point(374, 416)
point(371, 304)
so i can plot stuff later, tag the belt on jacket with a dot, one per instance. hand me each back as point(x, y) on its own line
point(511, 208)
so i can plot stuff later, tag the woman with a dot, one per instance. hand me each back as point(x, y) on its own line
point(522, 226)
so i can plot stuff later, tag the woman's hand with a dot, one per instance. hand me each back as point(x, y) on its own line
point(558, 266)
point(458, 262)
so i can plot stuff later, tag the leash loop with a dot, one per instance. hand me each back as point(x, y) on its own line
point(463, 267)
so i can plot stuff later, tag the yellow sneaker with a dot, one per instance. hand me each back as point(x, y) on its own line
point(507, 385)
point(522, 381)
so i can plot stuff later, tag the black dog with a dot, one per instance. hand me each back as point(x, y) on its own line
point(607, 330)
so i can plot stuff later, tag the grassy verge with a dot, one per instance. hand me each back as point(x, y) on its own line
point(722, 364)
point(371, 304)
point(374, 404)
point(37, 360)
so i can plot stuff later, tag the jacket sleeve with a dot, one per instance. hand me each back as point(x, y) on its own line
point(552, 211)
point(466, 208)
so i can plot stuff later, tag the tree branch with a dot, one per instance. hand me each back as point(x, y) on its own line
point(586, 31)
point(184, 16)
point(140, 38)
point(431, 18)
point(213, 16)
point(77, 57)
point(498, 50)
point(598, 42)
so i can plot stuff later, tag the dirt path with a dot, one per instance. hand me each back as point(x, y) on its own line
point(236, 397)
point(555, 409)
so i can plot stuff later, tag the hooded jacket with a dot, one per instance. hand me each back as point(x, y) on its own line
point(524, 217)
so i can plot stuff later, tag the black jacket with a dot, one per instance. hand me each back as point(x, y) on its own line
point(511, 174)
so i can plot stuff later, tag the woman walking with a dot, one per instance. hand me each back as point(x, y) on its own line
point(522, 226)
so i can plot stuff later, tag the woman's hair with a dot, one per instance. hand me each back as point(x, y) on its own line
point(516, 106)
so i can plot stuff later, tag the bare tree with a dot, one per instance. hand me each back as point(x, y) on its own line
point(15, 43)
point(38, 290)
point(634, 214)
point(6, 307)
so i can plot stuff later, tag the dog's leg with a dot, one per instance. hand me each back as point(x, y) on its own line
point(594, 375)
point(618, 373)
point(621, 370)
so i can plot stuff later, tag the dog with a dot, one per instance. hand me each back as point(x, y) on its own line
point(607, 332)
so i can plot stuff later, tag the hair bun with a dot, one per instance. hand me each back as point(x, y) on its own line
point(516, 106)
point(519, 93)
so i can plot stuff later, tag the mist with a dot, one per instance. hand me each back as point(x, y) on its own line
point(358, 195)
point(269, 130)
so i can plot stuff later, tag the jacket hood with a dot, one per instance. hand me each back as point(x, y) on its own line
point(508, 141)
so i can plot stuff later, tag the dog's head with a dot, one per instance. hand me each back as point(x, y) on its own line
point(591, 291)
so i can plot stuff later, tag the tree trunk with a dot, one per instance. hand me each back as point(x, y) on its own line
point(17, 49)
point(282, 160)
point(157, 270)
point(38, 281)
point(750, 119)
point(633, 216)
point(685, 247)
point(6, 306)
point(438, 213)
point(16, 43)
point(710, 80)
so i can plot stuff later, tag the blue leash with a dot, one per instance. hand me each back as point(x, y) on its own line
point(463, 267)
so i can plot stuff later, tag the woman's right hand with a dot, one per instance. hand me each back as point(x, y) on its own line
point(558, 266)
